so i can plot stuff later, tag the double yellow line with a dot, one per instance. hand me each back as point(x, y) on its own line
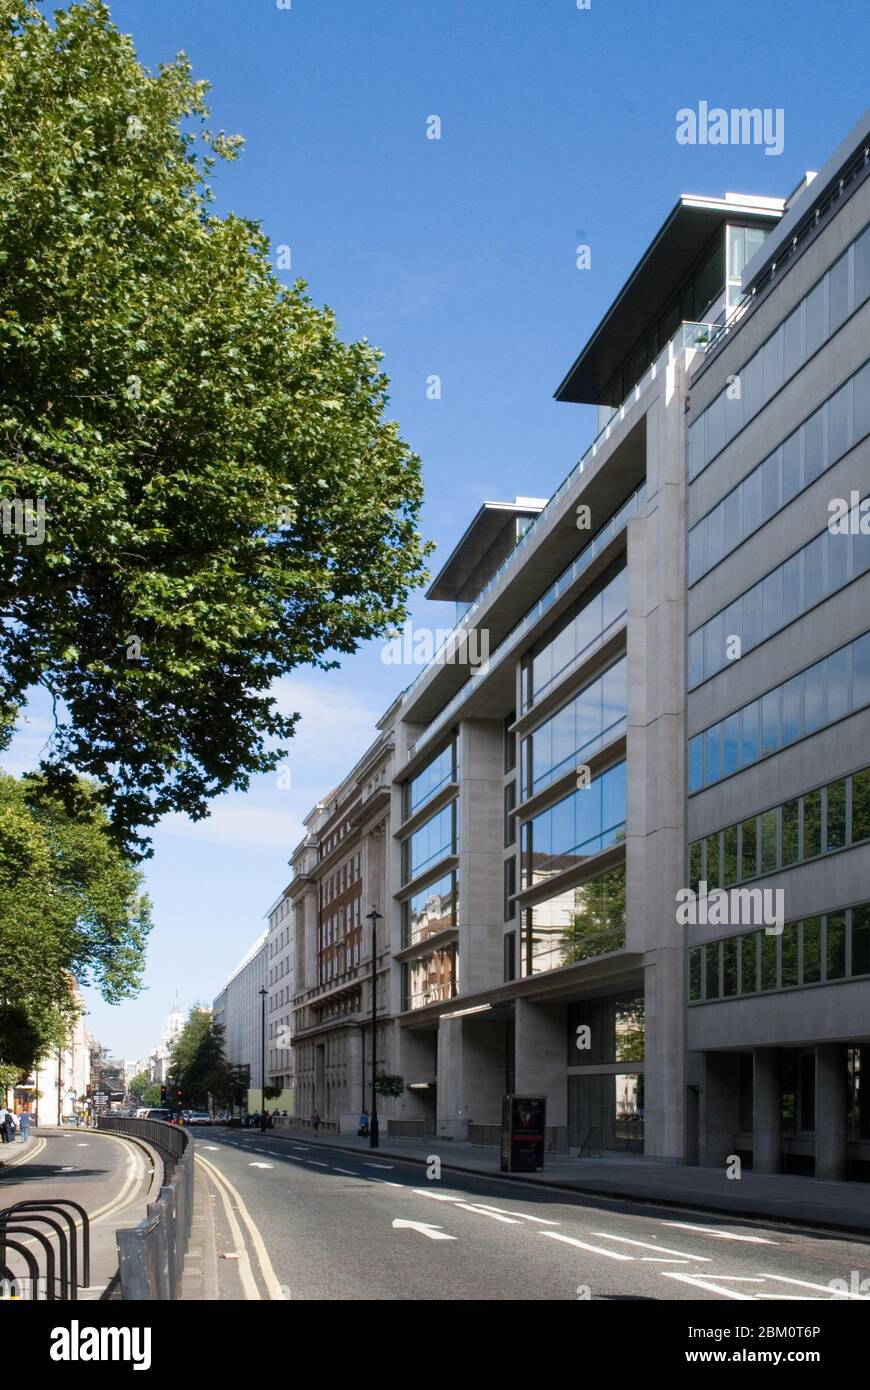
point(250, 1288)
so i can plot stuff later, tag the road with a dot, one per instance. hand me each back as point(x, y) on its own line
point(105, 1174)
point(305, 1220)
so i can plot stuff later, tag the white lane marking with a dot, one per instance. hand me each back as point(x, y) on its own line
point(646, 1245)
point(390, 1166)
point(662, 1260)
point(581, 1245)
point(436, 1196)
point(704, 1282)
point(720, 1235)
point(541, 1220)
point(212, 1148)
point(261, 1165)
point(275, 1290)
point(823, 1288)
point(315, 1161)
point(493, 1215)
point(302, 1148)
point(433, 1232)
point(69, 1170)
point(81, 1146)
point(349, 1171)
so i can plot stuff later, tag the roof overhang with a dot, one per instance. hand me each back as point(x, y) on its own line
point(679, 243)
point(480, 535)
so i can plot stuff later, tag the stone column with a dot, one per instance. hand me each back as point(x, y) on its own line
point(831, 1101)
point(719, 1107)
point(767, 1111)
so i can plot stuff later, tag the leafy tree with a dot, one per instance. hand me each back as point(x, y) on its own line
point(224, 498)
point(198, 1065)
point(137, 1086)
point(151, 1095)
point(70, 912)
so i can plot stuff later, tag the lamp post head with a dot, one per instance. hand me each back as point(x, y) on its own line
point(374, 916)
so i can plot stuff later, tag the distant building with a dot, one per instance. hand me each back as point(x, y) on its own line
point(239, 1009)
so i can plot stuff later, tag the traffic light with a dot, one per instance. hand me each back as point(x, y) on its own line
point(179, 1095)
point(162, 1093)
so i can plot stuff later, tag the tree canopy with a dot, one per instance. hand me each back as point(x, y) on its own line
point(198, 1066)
point(223, 499)
point(71, 912)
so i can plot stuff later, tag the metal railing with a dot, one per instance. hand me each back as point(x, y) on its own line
point(61, 1278)
point(151, 1255)
point(687, 337)
point(411, 1129)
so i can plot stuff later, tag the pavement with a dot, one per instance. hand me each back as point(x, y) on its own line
point(771, 1197)
point(112, 1178)
point(319, 1219)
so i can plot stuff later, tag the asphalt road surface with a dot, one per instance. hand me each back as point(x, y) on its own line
point(304, 1220)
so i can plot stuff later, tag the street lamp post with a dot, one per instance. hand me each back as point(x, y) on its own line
point(263, 993)
point(374, 917)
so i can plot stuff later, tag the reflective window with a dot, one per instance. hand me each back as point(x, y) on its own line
point(433, 909)
point(564, 647)
point(583, 922)
point(435, 775)
point(808, 452)
point(836, 686)
point(591, 720)
point(429, 980)
point(433, 841)
point(585, 823)
point(820, 821)
point(812, 322)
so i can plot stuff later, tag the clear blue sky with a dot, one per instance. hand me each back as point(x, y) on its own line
point(457, 257)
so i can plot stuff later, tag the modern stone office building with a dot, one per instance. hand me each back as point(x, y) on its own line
point(539, 813)
point(778, 1032)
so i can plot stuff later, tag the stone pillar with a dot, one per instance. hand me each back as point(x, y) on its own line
point(767, 1111)
point(831, 1102)
point(719, 1108)
point(542, 1061)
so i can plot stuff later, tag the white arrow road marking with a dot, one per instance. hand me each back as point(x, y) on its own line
point(433, 1232)
point(645, 1245)
point(261, 1165)
point(493, 1215)
point(705, 1282)
point(720, 1235)
point(581, 1245)
point(541, 1220)
point(823, 1288)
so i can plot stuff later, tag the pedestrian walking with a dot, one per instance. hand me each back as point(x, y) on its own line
point(9, 1127)
point(25, 1126)
point(3, 1132)
point(315, 1121)
point(363, 1124)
